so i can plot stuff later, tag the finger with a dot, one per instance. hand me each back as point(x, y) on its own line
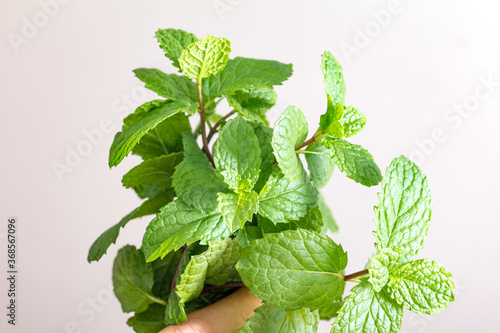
point(225, 316)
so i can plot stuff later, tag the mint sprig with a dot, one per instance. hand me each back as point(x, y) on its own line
point(236, 204)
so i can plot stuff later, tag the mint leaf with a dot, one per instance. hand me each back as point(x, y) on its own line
point(133, 280)
point(272, 319)
point(329, 222)
point(355, 161)
point(164, 139)
point(264, 134)
point(178, 224)
point(253, 104)
point(237, 155)
point(194, 179)
point(214, 266)
point(148, 207)
point(173, 42)
point(237, 209)
point(331, 311)
point(329, 122)
point(247, 234)
point(403, 214)
point(164, 270)
point(283, 200)
point(311, 221)
point(367, 311)
point(333, 78)
point(320, 164)
point(290, 131)
point(149, 321)
point(144, 119)
point(422, 286)
point(352, 121)
point(205, 57)
point(244, 74)
point(152, 176)
point(381, 263)
point(176, 313)
point(170, 86)
point(268, 227)
point(294, 269)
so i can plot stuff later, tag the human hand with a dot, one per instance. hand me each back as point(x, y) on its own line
point(225, 316)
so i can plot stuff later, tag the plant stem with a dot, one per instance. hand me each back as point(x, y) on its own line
point(307, 143)
point(355, 275)
point(202, 125)
point(234, 284)
point(213, 130)
point(172, 286)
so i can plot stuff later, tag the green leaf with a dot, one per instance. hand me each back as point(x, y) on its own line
point(247, 234)
point(355, 161)
point(164, 139)
point(331, 311)
point(267, 226)
point(329, 222)
point(144, 119)
point(214, 266)
point(209, 297)
point(170, 86)
point(380, 264)
point(149, 321)
point(333, 78)
point(173, 42)
point(133, 280)
point(253, 104)
point(403, 214)
point(195, 180)
point(264, 134)
point(237, 155)
point(272, 319)
point(294, 269)
point(311, 221)
point(422, 286)
point(164, 273)
point(283, 200)
point(329, 122)
point(245, 74)
point(148, 207)
point(290, 131)
point(237, 209)
point(352, 121)
point(176, 313)
point(205, 57)
point(152, 176)
point(178, 224)
point(366, 311)
point(320, 164)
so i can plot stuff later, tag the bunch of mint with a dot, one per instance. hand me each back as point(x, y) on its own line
point(246, 212)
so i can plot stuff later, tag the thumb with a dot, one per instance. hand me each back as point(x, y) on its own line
point(225, 316)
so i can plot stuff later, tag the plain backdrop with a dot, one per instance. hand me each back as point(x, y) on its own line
point(425, 73)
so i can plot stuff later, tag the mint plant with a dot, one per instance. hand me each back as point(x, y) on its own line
point(244, 211)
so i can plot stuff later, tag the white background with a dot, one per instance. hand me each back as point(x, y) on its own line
point(74, 71)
